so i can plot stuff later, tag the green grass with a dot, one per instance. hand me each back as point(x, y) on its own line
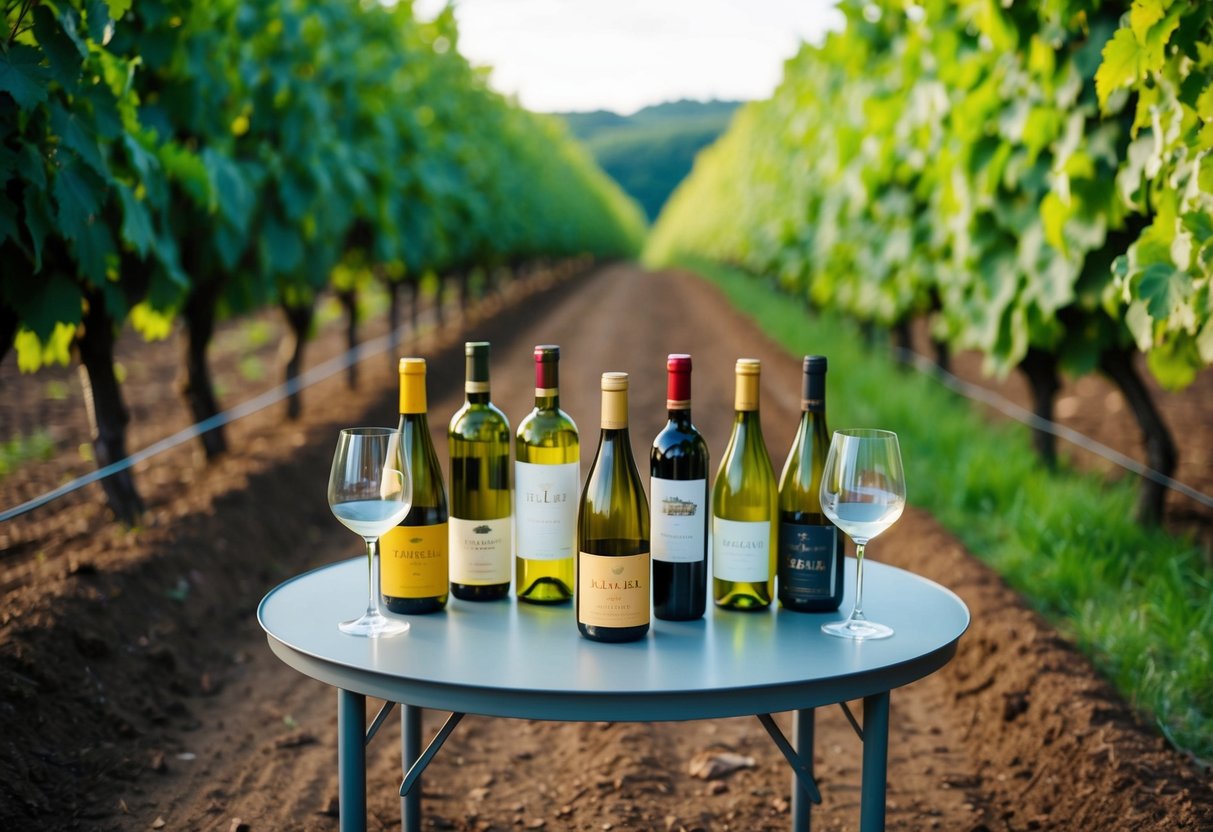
point(36, 447)
point(1138, 601)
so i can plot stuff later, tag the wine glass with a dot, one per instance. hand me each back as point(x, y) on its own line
point(370, 491)
point(863, 491)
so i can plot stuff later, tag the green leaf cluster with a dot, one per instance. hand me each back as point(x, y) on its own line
point(251, 151)
point(1029, 175)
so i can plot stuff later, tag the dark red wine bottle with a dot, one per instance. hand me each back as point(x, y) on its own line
point(678, 467)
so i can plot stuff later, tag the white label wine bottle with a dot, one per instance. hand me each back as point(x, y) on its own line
point(744, 506)
point(481, 534)
point(415, 554)
point(547, 471)
point(613, 531)
point(678, 469)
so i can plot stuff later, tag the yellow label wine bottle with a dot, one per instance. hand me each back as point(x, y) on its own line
point(414, 555)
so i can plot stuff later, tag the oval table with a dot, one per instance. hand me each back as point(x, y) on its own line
point(507, 659)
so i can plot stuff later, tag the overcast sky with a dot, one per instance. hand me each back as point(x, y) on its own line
point(621, 55)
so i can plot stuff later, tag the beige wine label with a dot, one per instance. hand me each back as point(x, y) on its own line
point(613, 591)
point(481, 550)
point(414, 561)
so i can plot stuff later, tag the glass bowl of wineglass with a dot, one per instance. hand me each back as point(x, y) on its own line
point(370, 491)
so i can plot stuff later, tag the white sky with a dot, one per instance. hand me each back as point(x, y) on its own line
point(559, 55)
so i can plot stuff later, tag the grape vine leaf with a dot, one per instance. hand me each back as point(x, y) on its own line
point(1122, 62)
point(22, 76)
point(77, 200)
point(77, 136)
point(1164, 289)
point(118, 7)
point(136, 223)
point(65, 53)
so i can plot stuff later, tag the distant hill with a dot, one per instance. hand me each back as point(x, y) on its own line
point(649, 152)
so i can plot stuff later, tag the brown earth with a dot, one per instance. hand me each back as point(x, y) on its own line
point(137, 692)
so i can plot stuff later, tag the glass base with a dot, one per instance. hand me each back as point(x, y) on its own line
point(857, 628)
point(374, 625)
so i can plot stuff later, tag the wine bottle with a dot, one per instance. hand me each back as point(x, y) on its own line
point(678, 469)
point(612, 598)
point(414, 555)
point(744, 506)
point(810, 547)
point(481, 536)
point(547, 473)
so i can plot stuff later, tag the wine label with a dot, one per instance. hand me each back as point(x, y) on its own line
point(678, 530)
point(808, 560)
point(613, 591)
point(545, 509)
point(741, 550)
point(480, 550)
point(414, 561)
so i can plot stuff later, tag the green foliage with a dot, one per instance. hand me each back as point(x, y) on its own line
point(153, 151)
point(1134, 599)
point(649, 152)
point(80, 202)
point(1031, 175)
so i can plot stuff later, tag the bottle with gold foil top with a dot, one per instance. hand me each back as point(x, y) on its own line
point(613, 575)
point(744, 506)
point(547, 474)
point(415, 554)
point(478, 440)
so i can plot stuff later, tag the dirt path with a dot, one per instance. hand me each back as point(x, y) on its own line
point(136, 691)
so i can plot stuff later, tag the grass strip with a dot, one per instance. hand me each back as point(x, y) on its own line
point(1138, 601)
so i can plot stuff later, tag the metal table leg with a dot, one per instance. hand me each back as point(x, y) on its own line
point(875, 762)
point(351, 760)
point(410, 750)
point(802, 735)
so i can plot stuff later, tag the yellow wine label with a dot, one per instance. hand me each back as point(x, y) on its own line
point(414, 561)
point(613, 591)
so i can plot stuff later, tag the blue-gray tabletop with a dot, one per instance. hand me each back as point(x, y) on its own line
point(508, 659)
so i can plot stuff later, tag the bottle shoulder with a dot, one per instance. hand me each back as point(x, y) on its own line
point(541, 422)
point(479, 421)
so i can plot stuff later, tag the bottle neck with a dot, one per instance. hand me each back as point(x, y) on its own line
point(614, 412)
point(547, 385)
point(412, 394)
point(477, 397)
point(680, 415)
point(745, 397)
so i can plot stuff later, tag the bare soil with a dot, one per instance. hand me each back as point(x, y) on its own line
point(137, 692)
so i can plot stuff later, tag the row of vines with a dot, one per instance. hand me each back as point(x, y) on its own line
point(1035, 178)
point(168, 161)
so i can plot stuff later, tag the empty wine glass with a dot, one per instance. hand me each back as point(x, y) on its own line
point(370, 491)
point(863, 491)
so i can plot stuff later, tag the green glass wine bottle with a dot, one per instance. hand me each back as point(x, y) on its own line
point(547, 474)
point(481, 535)
point(613, 531)
point(744, 506)
point(810, 546)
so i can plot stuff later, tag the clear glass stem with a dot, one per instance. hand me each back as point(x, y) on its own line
point(372, 556)
point(857, 611)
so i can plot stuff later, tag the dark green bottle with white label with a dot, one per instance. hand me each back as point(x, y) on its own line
point(810, 561)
